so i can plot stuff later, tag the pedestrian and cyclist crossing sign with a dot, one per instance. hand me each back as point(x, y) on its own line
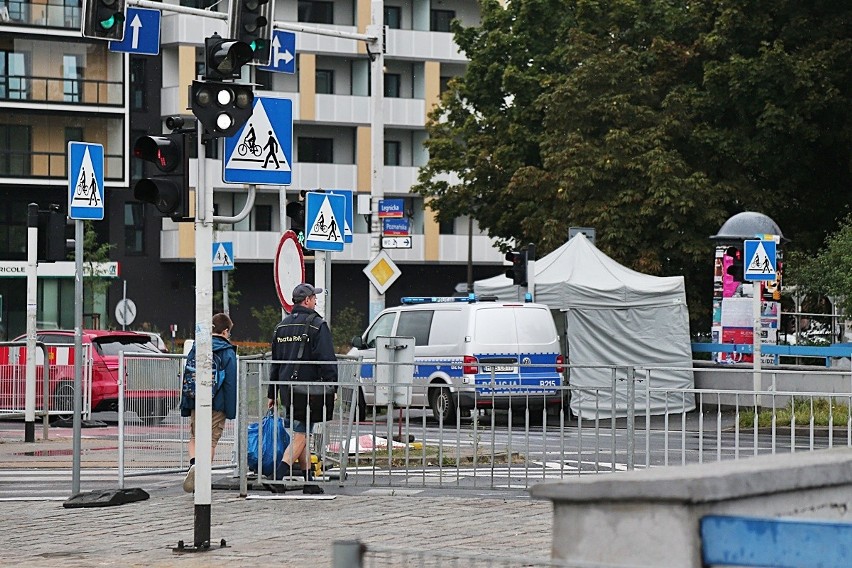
point(85, 181)
point(262, 151)
point(761, 260)
point(223, 256)
point(324, 221)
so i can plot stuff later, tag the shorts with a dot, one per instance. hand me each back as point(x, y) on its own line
point(218, 425)
point(299, 426)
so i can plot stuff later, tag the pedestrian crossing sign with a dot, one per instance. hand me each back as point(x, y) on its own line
point(223, 256)
point(324, 221)
point(85, 181)
point(761, 260)
point(261, 152)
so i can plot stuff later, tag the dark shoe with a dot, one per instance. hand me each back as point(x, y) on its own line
point(312, 490)
point(285, 470)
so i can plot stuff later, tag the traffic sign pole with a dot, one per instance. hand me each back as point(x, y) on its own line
point(377, 141)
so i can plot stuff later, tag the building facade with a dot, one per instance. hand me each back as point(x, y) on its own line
point(331, 150)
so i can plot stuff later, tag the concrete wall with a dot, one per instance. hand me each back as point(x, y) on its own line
point(651, 517)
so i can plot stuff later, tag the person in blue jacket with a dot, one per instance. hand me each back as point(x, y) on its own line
point(225, 398)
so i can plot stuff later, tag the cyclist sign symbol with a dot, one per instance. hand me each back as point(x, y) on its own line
point(261, 152)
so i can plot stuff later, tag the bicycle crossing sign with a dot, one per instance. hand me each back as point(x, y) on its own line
point(761, 258)
point(85, 181)
point(324, 221)
point(262, 151)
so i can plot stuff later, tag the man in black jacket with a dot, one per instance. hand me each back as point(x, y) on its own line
point(303, 326)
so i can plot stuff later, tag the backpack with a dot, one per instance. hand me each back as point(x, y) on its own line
point(188, 386)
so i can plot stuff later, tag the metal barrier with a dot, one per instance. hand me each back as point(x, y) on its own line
point(152, 435)
point(528, 441)
point(354, 554)
point(54, 380)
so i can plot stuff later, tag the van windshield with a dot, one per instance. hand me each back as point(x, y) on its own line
point(534, 327)
point(496, 326)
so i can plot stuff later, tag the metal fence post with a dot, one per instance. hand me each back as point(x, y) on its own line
point(631, 416)
point(347, 554)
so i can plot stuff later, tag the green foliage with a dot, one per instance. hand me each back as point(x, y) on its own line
point(267, 318)
point(651, 121)
point(829, 272)
point(347, 324)
point(233, 294)
point(825, 412)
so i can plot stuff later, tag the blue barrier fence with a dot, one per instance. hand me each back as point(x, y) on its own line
point(827, 352)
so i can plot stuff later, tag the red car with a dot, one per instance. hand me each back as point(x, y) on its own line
point(151, 404)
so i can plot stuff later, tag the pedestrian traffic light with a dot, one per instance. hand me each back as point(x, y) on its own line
point(518, 271)
point(736, 269)
point(52, 245)
point(224, 58)
point(169, 192)
point(104, 19)
point(222, 108)
point(251, 23)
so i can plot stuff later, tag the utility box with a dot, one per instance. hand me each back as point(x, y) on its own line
point(394, 370)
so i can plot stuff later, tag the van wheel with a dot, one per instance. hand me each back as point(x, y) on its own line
point(443, 404)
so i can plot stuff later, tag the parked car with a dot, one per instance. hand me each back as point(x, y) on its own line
point(151, 405)
point(157, 340)
point(460, 344)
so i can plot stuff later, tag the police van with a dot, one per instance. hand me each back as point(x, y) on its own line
point(470, 353)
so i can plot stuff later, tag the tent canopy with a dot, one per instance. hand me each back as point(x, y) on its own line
point(614, 317)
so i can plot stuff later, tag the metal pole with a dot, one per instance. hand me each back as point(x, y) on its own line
point(319, 280)
point(203, 346)
point(470, 253)
point(377, 141)
point(124, 305)
point(631, 417)
point(78, 354)
point(327, 287)
point(32, 309)
point(225, 307)
point(755, 312)
point(122, 388)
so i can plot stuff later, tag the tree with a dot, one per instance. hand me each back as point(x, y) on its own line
point(96, 276)
point(651, 121)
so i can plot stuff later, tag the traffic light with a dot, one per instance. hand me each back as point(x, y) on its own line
point(518, 272)
point(225, 57)
point(104, 19)
point(251, 22)
point(222, 108)
point(168, 192)
point(52, 244)
point(736, 270)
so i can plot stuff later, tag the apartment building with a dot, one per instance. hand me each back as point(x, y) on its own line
point(63, 87)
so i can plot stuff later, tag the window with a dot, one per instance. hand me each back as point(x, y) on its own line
point(316, 12)
point(134, 228)
point(383, 326)
point(447, 226)
point(325, 82)
point(392, 81)
point(393, 17)
point(15, 150)
point(13, 229)
point(72, 75)
point(263, 218)
point(444, 83)
point(446, 327)
point(13, 75)
point(415, 324)
point(317, 150)
point(137, 83)
point(391, 153)
point(440, 20)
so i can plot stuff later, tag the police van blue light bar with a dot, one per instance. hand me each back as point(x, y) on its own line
point(437, 299)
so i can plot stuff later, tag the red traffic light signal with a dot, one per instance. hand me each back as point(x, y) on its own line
point(168, 193)
point(518, 271)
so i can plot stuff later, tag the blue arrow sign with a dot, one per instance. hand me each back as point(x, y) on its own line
point(348, 213)
point(141, 33)
point(282, 57)
point(760, 260)
point(262, 151)
point(324, 215)
point(85, 181)
point(223, 256)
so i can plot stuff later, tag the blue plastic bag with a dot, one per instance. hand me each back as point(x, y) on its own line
point(273, 444)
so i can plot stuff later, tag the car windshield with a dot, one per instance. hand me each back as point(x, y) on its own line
point(128, 344)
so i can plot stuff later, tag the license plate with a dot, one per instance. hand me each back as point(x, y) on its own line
point(499, 368)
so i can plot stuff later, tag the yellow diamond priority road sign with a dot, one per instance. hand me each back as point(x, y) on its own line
point(382, 272)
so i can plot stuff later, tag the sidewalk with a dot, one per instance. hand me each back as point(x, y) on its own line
point(274, 531)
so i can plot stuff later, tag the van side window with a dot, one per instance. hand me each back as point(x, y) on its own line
point(383, 326)
point(530, 327)
point(415, 324)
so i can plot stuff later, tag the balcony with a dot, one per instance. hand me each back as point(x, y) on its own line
point(421, 45)
point(50, 14)
point(77, 91)
point(34, 167)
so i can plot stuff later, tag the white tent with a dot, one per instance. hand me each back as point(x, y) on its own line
point(613, 316)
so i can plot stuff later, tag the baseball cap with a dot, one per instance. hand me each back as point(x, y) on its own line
point(303, 290)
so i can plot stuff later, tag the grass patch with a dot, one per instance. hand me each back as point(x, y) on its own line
point(825, 412)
